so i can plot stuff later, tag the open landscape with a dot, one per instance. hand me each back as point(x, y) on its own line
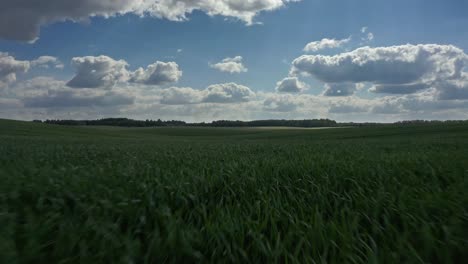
point(233, 131)
point(386, 194)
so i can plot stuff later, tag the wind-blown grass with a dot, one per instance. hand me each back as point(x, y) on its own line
point(354, 195)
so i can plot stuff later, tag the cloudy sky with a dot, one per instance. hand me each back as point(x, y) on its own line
point(353, 60)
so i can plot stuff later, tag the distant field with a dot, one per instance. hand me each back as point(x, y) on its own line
point(293, 128)
point(182, 195)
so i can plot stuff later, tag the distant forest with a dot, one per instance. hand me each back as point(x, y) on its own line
point(126, 122)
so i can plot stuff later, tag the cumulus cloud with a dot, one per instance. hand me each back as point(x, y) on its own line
point(216, 93)
point(9, 67)
point(395, 69)
point(37, 86)
point(415, 81)
point(420, 105)
point(228, 93)
point(46, 62)
point(46, 92)
point(106, 72)
point(399, 88)
point(346, 108)
point(433, 107)
point(425, 102)
point(386, 65)
point(158, 73)
point(53, 98)
point(453, 89)
point(95, 72)
point(281, 103)
point(21, 20)
point(291, 85)
point(73, 98)
point(230, 65)
point(293, 105)
point(181, 96)
point(325, 44)
point(351, 105)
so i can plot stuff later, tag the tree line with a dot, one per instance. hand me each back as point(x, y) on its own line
point(126, 122)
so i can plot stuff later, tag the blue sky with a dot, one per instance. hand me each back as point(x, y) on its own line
point(267, 50)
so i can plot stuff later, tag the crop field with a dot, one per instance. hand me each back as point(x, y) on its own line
point(388, 194)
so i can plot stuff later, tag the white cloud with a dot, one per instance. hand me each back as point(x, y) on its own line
point(96, 72)
point(294, 106)
point(181, 96)
point(411, 81)
point(228, 93)
point(428, 103)
point(45, 92)
point(281, 103)
point(230, 65)
point(216, 93)
point(266, 105)
point(67, 98)
point(367, 36)
point(420, 105)
point(44, 97)
point(351, 105)
point(46, 62)
point(291, 85)
point(346, 108)
point(37, 86)
point(453, 89)
point(9, 67)
point(325, 44)
point(158, 73)
point(389, 107)
point(22, 21)
point(106, 72)
point(398, 88)
point(423, 103)
point(395, 69)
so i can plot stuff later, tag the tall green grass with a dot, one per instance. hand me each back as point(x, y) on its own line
point(354, 195)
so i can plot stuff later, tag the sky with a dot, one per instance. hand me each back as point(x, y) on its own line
point(347, 60)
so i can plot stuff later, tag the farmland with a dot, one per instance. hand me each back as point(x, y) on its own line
point(387, 194)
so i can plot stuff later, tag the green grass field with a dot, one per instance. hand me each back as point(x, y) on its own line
point(180, 195)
